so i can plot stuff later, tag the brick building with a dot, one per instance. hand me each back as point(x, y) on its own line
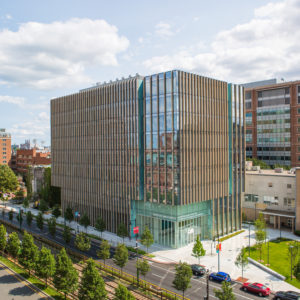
point(5, 147)
point(32, 157)
point(273, 122)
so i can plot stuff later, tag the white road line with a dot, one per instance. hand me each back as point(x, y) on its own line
point(157, 275)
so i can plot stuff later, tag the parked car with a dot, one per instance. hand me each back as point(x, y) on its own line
point(256, 288)
point(220, 276)
point(290, 295)
point(198, 270)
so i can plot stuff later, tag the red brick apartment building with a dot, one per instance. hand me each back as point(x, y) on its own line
point(5, 147)
point(24, 158)
point(273, 122)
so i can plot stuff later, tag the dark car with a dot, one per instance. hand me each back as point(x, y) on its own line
point(198, 270)
point(290, 295)
point(220, 276)
point(256, 288)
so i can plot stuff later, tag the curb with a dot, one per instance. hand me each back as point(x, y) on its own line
point(266, 269)
point(28, 282)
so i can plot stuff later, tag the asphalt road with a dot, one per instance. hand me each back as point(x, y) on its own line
point(160, 274)
point(13, 287)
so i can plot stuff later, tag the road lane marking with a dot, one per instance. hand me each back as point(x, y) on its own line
point(17, 276)
point(157, 275)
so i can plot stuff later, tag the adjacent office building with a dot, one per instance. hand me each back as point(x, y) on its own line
point(5, 147)
point(273, 122)
point(164, 151)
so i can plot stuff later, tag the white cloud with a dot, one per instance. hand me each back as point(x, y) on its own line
point(8, 17)
point(56, 55)
point(13, 100)
point(37, 127)
point(164, 30)
point(266, 46)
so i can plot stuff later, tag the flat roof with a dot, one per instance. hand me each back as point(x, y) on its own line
point(270, 173)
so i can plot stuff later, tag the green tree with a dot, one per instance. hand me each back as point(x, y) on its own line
point(13, 244)
point(122, 231)
point(122, 293)
point(85, 221)
point(183, 275)
point(69, 214)
point(29, 218)
point(82, 241)
point(43, 207)
point(8, 180)
point(198, 249)
point(65, 277)
point(28, 182)
point(25, 203)
point(260, 233)
point(147, 238)
point(100, 225)
point(67, 235)
point(92, 285)
point(143, 266)
point(11, 215)
point(242, 261)
point(121, 256)
point(297, 270)
point(45, 264)
point(52, 226)
point(28, 253)
point(56, 212)
point(103, 252)
point(225, 293)
point(20, 218)
point(2, 237)
point(40, 221)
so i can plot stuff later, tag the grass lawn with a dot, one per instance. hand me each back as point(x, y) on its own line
point(279, 258)
point(35, 281)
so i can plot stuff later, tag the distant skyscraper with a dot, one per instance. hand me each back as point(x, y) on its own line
point(5, 147)
point(164, 151)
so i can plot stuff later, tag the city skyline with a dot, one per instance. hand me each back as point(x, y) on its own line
point(238, 42)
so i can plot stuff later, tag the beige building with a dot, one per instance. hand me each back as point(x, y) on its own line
point(275, 194)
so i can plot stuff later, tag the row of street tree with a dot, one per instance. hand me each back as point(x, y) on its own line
point(65, 277)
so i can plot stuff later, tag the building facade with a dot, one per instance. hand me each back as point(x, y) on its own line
point(273, 123)
point(275, 194)
point(31, 157)
point(5, 147)
point(163, 151)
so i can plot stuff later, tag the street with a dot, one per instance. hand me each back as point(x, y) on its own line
point(160, 274)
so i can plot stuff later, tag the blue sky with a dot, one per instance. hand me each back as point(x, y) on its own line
point(53, 48)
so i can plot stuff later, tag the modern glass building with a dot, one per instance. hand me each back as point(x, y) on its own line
point(164, 151)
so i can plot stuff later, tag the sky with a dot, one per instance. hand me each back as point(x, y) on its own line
point(53, 48)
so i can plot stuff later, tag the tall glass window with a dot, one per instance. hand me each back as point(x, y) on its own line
point(154, 86)
point(154, 105)
point(161, 122)
point(161, 85)
point(161, 104)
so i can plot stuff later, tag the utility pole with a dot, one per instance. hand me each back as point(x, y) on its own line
point(218, 253)
point(291, 250)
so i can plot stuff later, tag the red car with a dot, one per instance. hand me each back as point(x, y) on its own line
point(256, 288)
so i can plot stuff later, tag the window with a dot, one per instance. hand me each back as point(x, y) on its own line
point(298, 129)
point(298, 120)
point(270, 184)
point(4, 153)
point(289, 186)
point(298, 149)
point(298, 158)
point(4, 161)
point(298, 110)
point(290, 202)
point(298, 139)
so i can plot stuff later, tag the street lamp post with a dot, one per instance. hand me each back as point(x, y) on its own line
point(291, 251)
point(249, 238)
point(268, 252)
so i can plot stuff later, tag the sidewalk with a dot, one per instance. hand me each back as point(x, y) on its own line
point(230, 249)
